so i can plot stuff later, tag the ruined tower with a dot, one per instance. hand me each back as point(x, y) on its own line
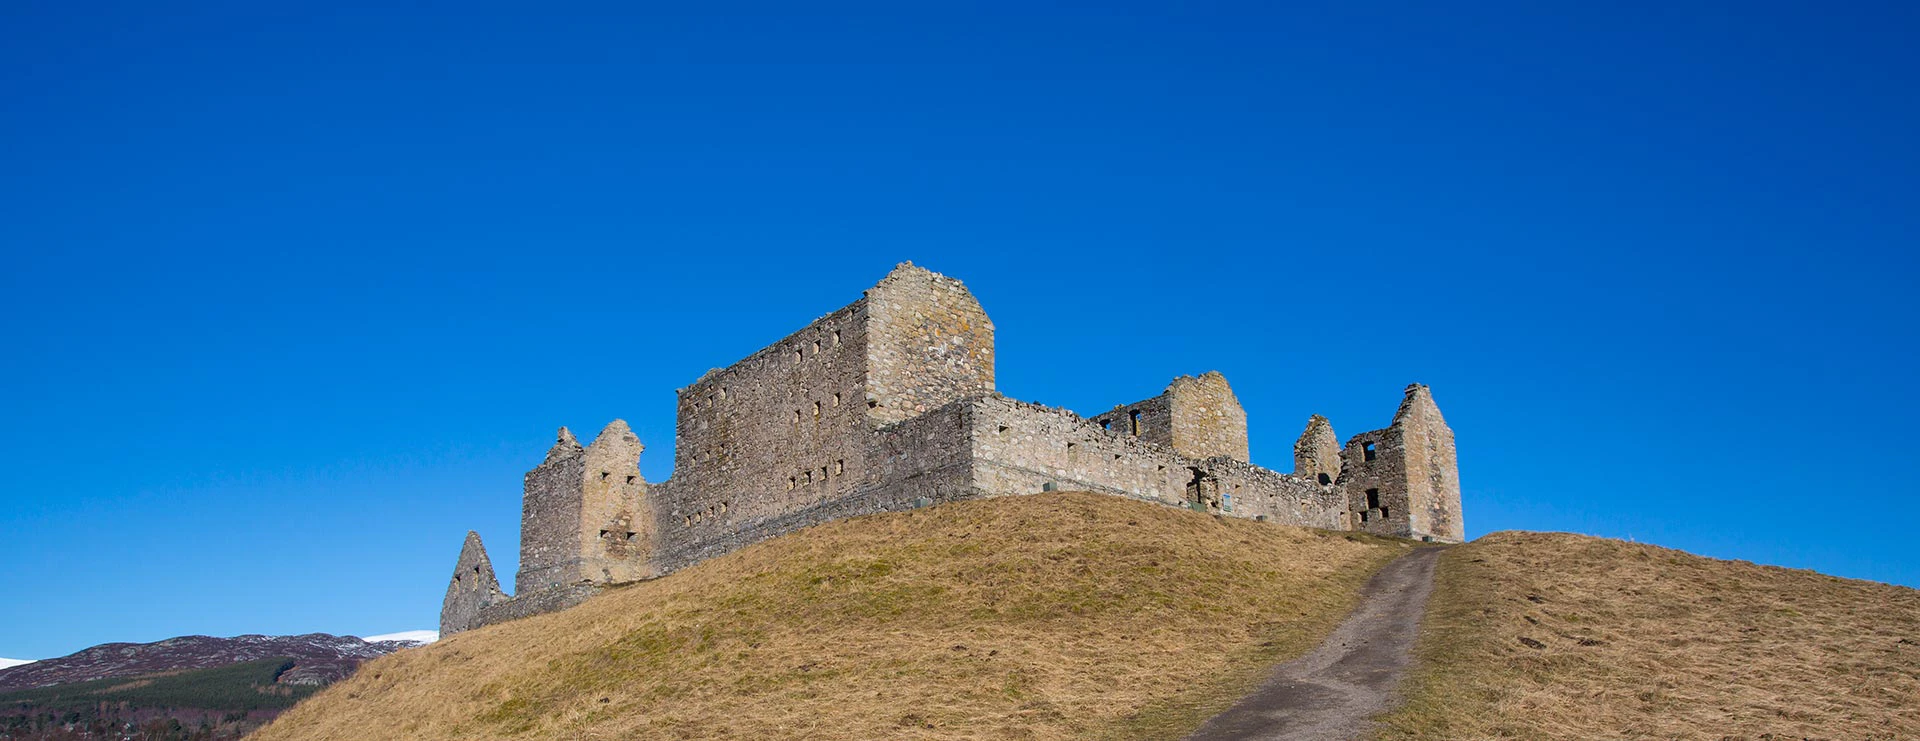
point(585, 516)
point(1404, 480)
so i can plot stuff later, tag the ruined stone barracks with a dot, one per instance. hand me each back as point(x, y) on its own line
point(888, 404)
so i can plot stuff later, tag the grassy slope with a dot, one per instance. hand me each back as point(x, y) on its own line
point(1636, 641)
point(1042, 617)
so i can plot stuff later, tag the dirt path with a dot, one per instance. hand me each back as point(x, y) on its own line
point(1329, 694)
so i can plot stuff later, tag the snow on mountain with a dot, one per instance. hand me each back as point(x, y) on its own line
point(4, 663)
point(411, 636)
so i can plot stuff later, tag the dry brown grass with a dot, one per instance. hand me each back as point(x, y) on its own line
point(1044, 617)
point(1636, 641)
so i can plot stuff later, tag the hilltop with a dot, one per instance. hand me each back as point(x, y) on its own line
point(1064, 615)
point(1550, 635)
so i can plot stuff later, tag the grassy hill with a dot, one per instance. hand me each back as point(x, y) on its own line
point(1043, 617)
point(1542, 635)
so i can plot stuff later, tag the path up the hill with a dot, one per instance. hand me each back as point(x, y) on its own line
point(1329, 694)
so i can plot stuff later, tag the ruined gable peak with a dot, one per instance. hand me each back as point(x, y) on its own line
point(1317, 452)
point(564, 445)
point(616, 432)
point(1318, 428)
point(1419, 405)
point(472, 551)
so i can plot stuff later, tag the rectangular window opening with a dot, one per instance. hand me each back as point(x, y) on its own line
point(1133, 422)
point(1373, 499)
point(1367, 452)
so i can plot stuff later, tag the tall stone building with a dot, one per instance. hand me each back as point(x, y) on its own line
point(888, 404)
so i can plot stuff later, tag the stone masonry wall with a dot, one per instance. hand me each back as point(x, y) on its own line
point(1208, 420)
point(776, 433)
point(1403, 480)
point(550, 517)
point(1317, 452)
point(1433, 491)
point(1196, 417)
point(930, 344)
point(887, 404)
point(1022, 448)
point(473, 588)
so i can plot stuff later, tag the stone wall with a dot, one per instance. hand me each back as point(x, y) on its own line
point(1196, 417)
point(1022, 448)
point(888, 404)
point(473, 588)
point(584, 515)
point(550, 517)
point(1317, 453)
point(1404, 480)
point(930, 344)
point(776, 433)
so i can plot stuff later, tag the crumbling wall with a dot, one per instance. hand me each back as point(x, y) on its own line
point(922, 461)
point(550, 516)
point(539, 602)
point(770, 442)
point(930, 344)
point(1198, 417)
point(584, 513)
point(1316, 454)
point(1022, 448)
point(472, 588)
point(1208, 420)
point(616, 536)
point(1433, 473)
point(776, 433)
point(1404, 480)
point(887, 404)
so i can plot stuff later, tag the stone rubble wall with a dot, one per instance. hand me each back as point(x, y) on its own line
point(1023, 448)
point(930, 344)
point(472, 589)
point(776, 433)
point(550, 518)
point(888, 404)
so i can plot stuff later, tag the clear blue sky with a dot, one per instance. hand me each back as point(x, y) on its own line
point(295, 293)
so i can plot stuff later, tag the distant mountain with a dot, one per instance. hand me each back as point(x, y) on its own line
point(318, 658)
point(5, 663)
point(422, 637)
point(190, 688)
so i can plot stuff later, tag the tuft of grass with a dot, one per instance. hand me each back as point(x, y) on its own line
point(1054, 616)
point(1549, 635)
